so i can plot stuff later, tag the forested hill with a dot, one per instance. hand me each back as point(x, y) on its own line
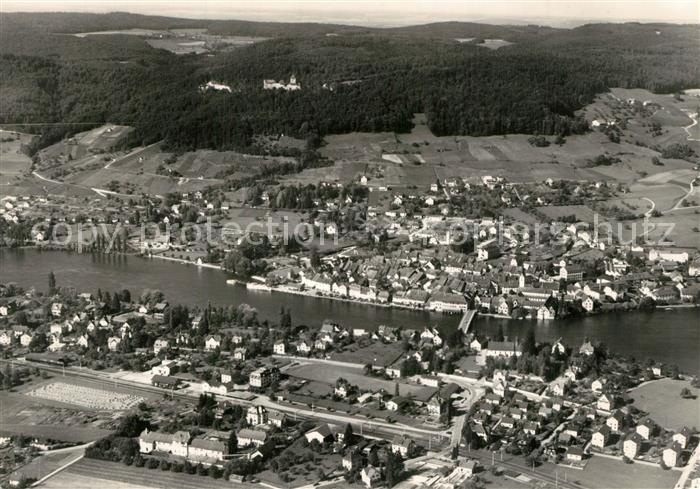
point(72, 23)
point(379, 77)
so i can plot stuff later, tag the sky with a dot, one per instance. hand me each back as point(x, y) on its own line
point(387, 12)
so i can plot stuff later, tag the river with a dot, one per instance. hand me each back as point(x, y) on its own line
point(668, 336)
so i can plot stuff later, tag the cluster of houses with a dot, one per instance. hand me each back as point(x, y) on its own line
point(261, 439)
point(573, 417)
point(508, 285)
point(76, 329)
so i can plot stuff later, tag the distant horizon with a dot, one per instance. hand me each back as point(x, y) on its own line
point(363, 13)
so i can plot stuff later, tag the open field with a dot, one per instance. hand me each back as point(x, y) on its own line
point(85, 397)
point(555, 212)
point(418, 157)
point(28, 416)
point(662, 400)
point(14, 164)
point(375, 353)
point(77, 481)
point(101, 473)
point(328, 374)
point(87, 161)
point(42, 466)
point(605, 473)
point(680, 225)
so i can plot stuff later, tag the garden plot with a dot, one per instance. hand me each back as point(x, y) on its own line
point(87, 397)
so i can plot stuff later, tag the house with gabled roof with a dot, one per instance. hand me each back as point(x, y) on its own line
point(632, 445)
point(682, 438)
point(646, 428)
point(321, 433)
point(247, 437)
point(403, 445)
point(616, 421)
point(673, 456)
point(601, 436)
point(606, 401)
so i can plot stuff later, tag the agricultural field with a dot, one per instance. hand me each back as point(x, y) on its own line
point(662, 400)
point(28, 416)
point(85, 397)
point(43, 465)
point(14, 164)
point(419, 157)
point(112, 474)
point(68, 478)
point(87, 161)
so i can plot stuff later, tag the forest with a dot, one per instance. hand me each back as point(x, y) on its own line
point(379, 79)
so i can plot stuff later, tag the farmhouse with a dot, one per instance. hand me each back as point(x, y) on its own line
point(207, 449)
point(175, 443)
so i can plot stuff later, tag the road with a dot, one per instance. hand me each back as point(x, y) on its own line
point(653, 206)
point(682, 199)
point(40, 177)
point(693, 117)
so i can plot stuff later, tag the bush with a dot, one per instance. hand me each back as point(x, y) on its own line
point(538, 141)
point(678, 151)
point(152, 463)
point(139, 461)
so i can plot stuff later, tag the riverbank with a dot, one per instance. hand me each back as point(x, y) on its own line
point(670, 337)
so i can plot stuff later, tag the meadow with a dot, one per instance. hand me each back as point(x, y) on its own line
point(662, 400)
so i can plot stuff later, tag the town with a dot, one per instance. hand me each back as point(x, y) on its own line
point(396, 245)
point(369, 407)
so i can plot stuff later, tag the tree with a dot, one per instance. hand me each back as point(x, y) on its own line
point(132, 425)
point(686, 393)
point(348, 434)
point(393, 469)
point(232, 442)
point(38, 343)
point(52, 283)
point(529, 346)
point(499, 335)
point(314, 258)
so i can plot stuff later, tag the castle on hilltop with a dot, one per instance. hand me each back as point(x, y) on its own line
point(275, 85)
